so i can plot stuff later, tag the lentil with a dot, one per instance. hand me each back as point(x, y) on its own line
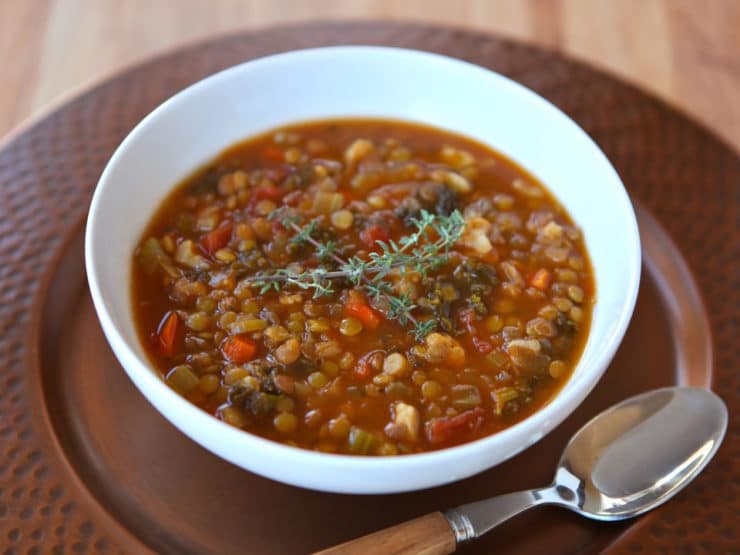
point(285, 422)
point(350, 327)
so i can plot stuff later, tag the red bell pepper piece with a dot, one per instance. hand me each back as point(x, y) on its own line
point(217, 239)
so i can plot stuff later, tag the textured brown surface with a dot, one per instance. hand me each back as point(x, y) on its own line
point(683, 174)
point(147, 476)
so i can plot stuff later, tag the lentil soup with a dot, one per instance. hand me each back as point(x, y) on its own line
point(365, 287)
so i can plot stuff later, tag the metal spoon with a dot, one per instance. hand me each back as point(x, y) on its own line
point(627, 460)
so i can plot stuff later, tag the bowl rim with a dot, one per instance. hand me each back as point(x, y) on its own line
point(537, 424)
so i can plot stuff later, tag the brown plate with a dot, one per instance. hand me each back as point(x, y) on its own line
point(89, 467)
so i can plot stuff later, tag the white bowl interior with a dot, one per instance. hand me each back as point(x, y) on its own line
point(194, 126)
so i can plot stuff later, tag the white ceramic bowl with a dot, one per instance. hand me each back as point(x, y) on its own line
point(196, 124)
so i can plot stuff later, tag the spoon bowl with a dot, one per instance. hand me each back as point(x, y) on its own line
point(624, 462)
point(643, 451)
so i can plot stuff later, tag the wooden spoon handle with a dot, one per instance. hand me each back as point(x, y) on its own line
point(427, 535)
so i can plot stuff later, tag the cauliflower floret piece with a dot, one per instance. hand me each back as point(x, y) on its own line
point(396, 365)
point(187, 254)
point(443, 349)
point(405, 425)
point(551, 232)
point(527, 354)
point(453, 180)
point(357, 151)
point(455, 157)
point(475, 235)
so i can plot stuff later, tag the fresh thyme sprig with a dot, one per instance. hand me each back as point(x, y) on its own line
point(412, 253)
point(422, 257)
point(316, 279)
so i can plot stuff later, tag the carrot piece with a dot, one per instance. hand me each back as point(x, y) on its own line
point(363, 312)
point(272, 154)
point(169, 334)
point(239, 349)
point(440, 430)
point(217, 239)
point(541, 279)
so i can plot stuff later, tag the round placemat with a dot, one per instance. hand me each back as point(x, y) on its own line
point(682, 173)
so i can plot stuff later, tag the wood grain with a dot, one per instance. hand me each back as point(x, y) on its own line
point(685, 51)
point(427, 535)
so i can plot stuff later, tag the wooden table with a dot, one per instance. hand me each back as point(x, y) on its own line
point(686, 51)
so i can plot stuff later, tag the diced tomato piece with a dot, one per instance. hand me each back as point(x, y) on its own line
point(273, 154)
point(170, 334)
point(293, 198)
point(467, 319)
point(278, 174)
point(284, 383)
point(364, 368)
point(482, 345)
point(331, 334)
point(217, 239)
point(541, 279)
point(363, 312)
point(268, 192)
point(239, 348)
point(348, 409)
point(441, 430)
point(374, 233)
